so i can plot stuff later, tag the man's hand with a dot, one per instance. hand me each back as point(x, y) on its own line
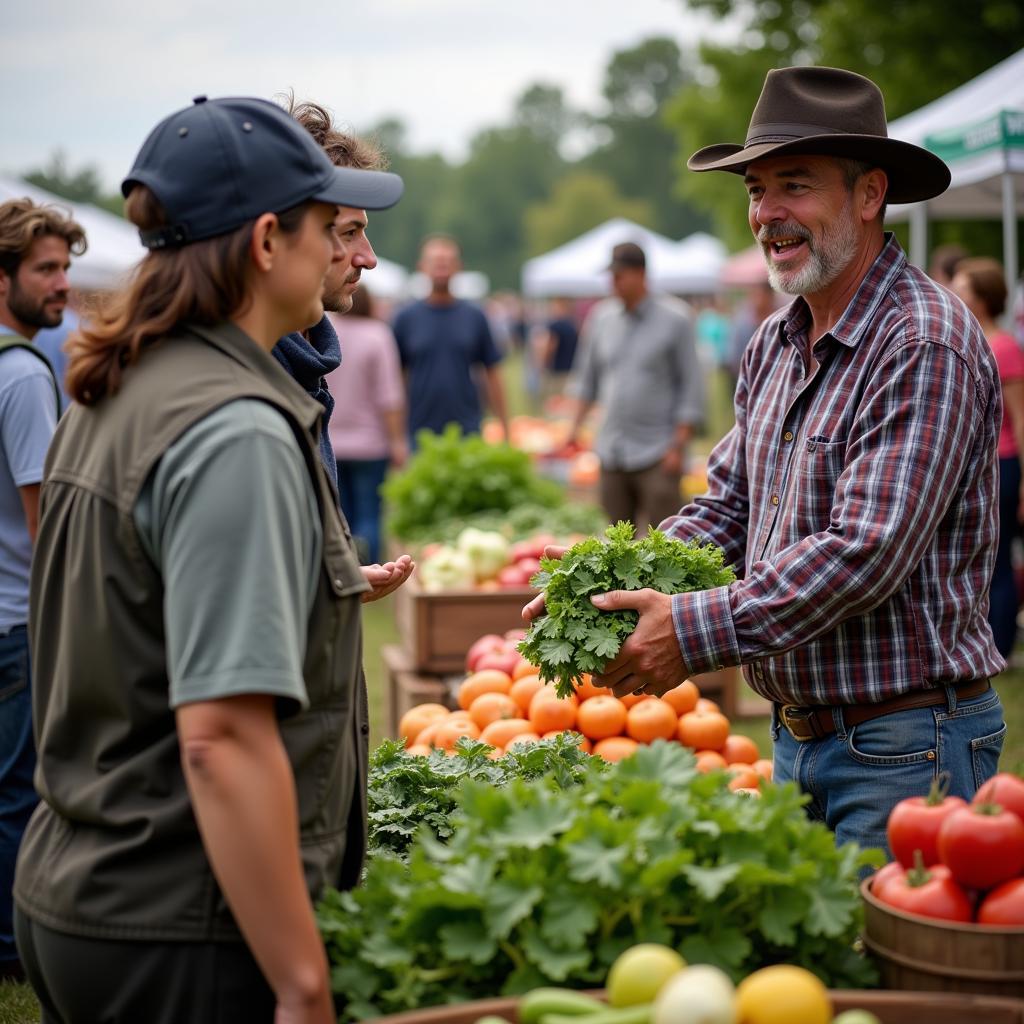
point(649, 659)
point(386, 578)
point(672, 462)
point(535, 609)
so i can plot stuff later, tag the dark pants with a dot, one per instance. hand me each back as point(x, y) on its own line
point(643, 496)
point(359, 483)
point(17, 763)
point(1003, 604)
point(98, 981)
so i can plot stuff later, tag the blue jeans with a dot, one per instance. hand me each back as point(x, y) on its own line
point(856, 776)
point(17, 763)
point(359, 483)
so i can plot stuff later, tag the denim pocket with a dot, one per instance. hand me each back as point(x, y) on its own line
point(985, 751)
point(902, 738)
point(13, 664)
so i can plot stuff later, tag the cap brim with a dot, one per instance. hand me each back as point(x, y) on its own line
point(915, 174)
point(364, 190)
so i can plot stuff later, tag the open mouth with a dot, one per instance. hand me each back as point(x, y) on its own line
point(785, 248)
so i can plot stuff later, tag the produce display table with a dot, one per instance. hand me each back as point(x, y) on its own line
point(407, 686)
point(888, 1007)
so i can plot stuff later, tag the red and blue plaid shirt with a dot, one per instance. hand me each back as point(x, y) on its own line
point(858, 502)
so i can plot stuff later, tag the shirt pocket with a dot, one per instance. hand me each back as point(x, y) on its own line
point(815, 474)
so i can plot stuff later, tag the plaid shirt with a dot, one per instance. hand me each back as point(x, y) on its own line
point(857, 502)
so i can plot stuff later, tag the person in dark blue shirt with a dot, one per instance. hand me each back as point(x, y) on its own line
point(447, 351)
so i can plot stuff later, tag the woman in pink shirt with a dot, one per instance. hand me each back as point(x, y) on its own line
point(981, 284)
point(367, 427)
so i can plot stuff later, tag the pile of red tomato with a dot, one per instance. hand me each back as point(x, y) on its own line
point(958, 861)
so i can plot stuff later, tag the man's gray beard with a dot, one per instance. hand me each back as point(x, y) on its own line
point(827, 258)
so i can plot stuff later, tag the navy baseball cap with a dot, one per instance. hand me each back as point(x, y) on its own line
point(220, 163)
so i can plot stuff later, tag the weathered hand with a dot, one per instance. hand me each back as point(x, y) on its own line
point(386, 578)
point(535, 609)
point(649, 660)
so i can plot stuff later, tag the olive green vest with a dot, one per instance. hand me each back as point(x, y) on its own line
point(113, 849)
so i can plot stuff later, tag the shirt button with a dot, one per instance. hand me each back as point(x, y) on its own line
point(338, 584)
point(775, 499)
point(364, 729)
point(788, 435)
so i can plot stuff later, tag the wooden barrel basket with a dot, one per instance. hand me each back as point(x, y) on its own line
point(929, 955)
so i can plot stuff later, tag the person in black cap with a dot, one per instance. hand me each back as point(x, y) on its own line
point(856, 495)
point(200, 709)
point(637, 359)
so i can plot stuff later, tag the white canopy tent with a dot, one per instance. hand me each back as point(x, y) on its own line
point(114, 246)
point(978, 129)
point(578, 268)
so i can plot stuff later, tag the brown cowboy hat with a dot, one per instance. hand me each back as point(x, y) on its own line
point(828, 112)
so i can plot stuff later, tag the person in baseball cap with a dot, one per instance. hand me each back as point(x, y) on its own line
point(195, 606)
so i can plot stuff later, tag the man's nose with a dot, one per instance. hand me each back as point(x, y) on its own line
point(364, 256)
point(769, 208)
point(61, 283)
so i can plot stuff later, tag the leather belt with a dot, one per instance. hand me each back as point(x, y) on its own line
point(814, 723)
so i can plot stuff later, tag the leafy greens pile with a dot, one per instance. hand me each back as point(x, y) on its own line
point(407, 792)
point(452, 476)
point(574, 637)
point(539, 884)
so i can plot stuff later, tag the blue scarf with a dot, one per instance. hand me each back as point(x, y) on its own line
point(307, 361)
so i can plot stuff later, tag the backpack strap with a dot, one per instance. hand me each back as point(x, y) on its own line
point(12, 341)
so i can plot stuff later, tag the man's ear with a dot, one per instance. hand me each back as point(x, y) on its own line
point(874, 186)
point(5, 283)
point(263, 246)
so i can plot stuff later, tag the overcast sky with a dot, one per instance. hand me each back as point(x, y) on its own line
point(93, 76)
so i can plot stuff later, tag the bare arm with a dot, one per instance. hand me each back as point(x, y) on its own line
point(496, 396)
point(394, 423)
point(243, 793)
point(30, 503)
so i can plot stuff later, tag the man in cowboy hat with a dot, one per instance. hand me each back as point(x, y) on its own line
point(856, 495)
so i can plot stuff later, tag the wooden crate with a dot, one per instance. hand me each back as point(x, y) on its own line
point(889, 1007)
point(407, 687)
point(437, 629)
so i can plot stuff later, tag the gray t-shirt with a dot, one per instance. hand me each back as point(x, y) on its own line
point(229, 518)
point(28, 418)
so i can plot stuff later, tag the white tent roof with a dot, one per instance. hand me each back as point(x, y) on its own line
point(578, 268)
point(975, 191)
point(114, 245)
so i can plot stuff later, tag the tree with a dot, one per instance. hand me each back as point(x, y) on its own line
point(637, 148)
point(580, 201)
point(81, 186)
point(915, 50)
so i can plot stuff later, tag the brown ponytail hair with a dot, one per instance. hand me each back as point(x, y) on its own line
point(204, 283)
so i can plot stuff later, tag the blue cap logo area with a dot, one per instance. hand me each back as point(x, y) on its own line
point(221, 163)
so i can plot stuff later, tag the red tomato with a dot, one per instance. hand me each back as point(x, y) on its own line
point(931, 893)
point(1004, 789)
point(883, 876)
point(982, 845)
point(914, 823)
point(1004, 905)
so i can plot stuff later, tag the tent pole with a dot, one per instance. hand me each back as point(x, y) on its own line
point(919, 235)
point(1009, 233)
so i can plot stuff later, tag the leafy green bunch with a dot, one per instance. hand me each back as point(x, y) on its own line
point(452, 476)
point(540, 884)
point(406, 793)
point(575, 637)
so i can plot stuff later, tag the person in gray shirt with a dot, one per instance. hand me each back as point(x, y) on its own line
point(638, 361)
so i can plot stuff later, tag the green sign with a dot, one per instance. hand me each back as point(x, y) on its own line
point(1004, 130)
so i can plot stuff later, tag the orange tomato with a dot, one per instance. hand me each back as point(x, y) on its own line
point(634, 698)
point(587, 689)
point(488, 680)
point(615, 748)
point(524, 668)
point(709, 760)
point(549, 713)
point(740, 748)
point(743, 777)
point(425, 738)
point(454, 728)
point(417, 718)
point(523, 690)
point(418, 750)
point(524, 739)
point(584, 744)
point(683, 698)
point(703, 730)
point(651, 720)
point(489, 707)
point(601, 717)
point(500, 732)
point(706, 704)
point(764, 767)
